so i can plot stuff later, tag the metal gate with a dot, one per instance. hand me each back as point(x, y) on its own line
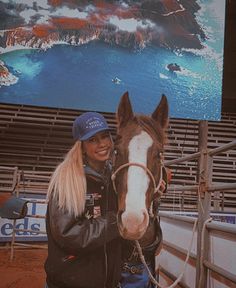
point(203, 260)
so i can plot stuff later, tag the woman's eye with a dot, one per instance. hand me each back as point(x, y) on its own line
point(92, 140)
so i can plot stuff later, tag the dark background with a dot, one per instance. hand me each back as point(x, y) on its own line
point(229, 74)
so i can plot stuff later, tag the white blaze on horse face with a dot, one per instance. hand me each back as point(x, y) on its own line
point(138, 179)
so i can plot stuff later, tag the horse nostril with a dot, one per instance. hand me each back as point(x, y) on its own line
point(119, 215)
point(145, 216)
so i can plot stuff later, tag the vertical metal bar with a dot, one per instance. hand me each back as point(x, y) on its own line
point(204, 202)
point(182, 201)
point(216, 201)
point(13, 239)
point(14, 221)
point(15, 178)
point(223, 201)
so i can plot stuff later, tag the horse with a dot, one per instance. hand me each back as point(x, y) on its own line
point(138, 174)
point(138, 168)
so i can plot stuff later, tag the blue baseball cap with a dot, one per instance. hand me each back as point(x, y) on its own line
point(88, 124)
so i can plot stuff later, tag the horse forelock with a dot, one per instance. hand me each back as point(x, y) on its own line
point(152, 128)
point(142, 122)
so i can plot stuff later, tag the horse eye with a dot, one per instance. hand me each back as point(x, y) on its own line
point(159, 155)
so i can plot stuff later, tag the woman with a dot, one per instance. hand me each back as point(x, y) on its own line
point(83, 239)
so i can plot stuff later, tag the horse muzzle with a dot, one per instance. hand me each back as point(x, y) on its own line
point(132, 224)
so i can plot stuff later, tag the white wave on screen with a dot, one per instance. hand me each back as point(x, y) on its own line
point(163, 76)
point(210, 53)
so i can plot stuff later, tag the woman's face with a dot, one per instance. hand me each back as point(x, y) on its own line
point(98, 148)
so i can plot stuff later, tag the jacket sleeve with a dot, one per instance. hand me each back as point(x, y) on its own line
point(80, 235)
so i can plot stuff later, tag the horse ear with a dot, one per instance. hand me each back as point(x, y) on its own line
point(161, 113)
point(124, 112)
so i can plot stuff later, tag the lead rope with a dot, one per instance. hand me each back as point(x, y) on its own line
point(154, 281)
point(203, 247)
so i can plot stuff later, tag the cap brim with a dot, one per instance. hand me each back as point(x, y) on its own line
point(92, 133)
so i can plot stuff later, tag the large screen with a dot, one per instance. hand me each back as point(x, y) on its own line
point(86, 54)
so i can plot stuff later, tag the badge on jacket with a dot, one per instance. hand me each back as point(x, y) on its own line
point(92, 205)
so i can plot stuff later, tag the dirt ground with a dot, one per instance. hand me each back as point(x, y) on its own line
point(25, 270)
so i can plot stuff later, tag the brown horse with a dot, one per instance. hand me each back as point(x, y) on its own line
point(138, 166)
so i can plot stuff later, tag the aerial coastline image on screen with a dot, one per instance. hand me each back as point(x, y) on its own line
point(86, 54)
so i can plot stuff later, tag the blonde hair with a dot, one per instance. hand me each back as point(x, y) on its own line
point(68, 182)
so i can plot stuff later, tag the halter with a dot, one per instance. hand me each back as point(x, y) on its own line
point(148, 172)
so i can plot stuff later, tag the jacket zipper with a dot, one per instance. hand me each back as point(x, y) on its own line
point(106, 264)
point(105, 245)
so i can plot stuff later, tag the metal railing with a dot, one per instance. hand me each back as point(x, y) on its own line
point(204, 188)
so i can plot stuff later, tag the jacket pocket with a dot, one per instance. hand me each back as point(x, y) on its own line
point(86, 271)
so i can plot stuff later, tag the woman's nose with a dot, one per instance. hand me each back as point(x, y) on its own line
point(102, 142)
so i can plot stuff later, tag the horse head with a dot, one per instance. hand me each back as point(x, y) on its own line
point(138, 161)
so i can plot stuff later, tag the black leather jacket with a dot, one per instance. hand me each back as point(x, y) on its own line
point(85, 252)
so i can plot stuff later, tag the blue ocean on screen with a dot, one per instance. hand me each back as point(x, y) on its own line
point(94, 76)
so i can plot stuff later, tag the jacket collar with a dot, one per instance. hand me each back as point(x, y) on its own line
point(104, 176)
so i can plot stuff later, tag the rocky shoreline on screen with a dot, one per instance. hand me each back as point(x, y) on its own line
point(165, 23)
point(6, 78)
point(174, 25)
